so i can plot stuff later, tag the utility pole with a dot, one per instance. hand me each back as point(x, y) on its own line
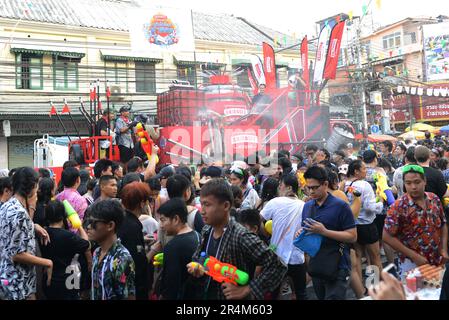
point(362, 85)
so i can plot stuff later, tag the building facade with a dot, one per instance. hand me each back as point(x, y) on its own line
point(54, 51)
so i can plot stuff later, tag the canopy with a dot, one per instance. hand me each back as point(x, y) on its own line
point(381, 138)
point(421, 127)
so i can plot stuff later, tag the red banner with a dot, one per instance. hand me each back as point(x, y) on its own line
point(252, 82)
point(305, 62)
point(330, 70)
point(269, 66)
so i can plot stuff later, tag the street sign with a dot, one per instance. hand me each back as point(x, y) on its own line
point(375, 129)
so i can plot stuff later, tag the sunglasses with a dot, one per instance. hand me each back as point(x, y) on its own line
point(92, 223)
point(313, 188)
point(413, 168)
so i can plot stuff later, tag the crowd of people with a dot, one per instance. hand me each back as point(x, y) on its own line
point(143, 223)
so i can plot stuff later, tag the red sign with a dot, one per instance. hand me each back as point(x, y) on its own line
point(330, 69)
point(433, 112)
point(269, 66)
point(305, 62)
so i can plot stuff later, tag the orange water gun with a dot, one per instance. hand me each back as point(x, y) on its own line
point(223, 272)
point(145, 140)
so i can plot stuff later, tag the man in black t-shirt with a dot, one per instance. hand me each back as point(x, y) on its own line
point(178, 252)
point(102, 130)
point(435, 179)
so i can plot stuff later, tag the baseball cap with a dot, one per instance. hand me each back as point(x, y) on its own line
point(369, 156)
point(185, 171)
point(211, 173)
point(124, 109)
point(165, 173)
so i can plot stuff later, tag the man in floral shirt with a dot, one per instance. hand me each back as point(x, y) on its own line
point(416, 225)
point(113, 273)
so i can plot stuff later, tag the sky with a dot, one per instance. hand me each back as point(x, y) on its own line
point(299, 16)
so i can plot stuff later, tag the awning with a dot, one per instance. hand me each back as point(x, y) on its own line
point(116, 55)
point(388, 60)
point(199, 58)
point(59, 50)
point(241, 62)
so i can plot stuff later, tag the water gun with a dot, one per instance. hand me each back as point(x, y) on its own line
point(383, 190)
point(446, 200)
point(301, 179)
point(158, 260)
point(145, 141)
point(223, 272)
point(269, 227)
point(72, 215)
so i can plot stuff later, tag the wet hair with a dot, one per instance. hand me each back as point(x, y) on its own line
point(385, 164)
point(130, 178)
point(270, 189)
point(177, 185)
point(316, 173)
point(326, 153)
point(109, 210)
point(243, 177)
point(236, 192)
point(105, 180)
point(249, 217)
point(285, 164)
point(154, 184)
point(134, 164)
point(354, 166)
point(219, 189)
point(44, 173)
point(311, 147)
point(45, 190)
point(100, 166)
point(24, 181)
point(69, 177)
point(5, 183)
point(174, 207)
point(70, 164)
point(442, 164)
point(284, 153)
point(91, 184)
point(388, 145)
point(55, 212)
point(410, 155)
point(290, 181)
point(332, 178)
point(134, 194)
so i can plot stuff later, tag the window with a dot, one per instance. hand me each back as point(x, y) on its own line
point(392, 41)
point(394, 70)
point(187, 73)
point(29, 72)
point(241, 72)
point(65, 73)
point(117, 73)
point(409, 38)
point(145, 77)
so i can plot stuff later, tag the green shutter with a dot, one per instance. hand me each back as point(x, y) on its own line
point(19, 71)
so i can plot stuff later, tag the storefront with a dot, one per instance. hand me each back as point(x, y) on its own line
point(17, 138)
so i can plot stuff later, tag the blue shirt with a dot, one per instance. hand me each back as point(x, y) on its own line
point(335, 215)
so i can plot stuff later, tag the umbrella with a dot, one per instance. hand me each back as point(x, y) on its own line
point(421, 127)
point(381, 138)
point(414, 135)
point(444, 129)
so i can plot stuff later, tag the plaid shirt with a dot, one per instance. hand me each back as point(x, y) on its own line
point(242, 248)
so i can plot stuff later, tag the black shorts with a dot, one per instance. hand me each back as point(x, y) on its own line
point(367, 234)
point(126, 154)
point(380, 223)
